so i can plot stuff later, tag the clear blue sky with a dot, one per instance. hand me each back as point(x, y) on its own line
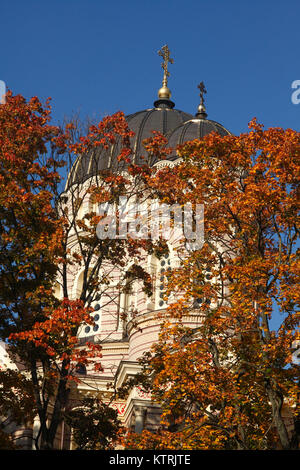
point(98, 57)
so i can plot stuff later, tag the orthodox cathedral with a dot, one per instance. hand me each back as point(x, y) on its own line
point(123, 343)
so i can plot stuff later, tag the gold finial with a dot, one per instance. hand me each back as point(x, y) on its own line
point(201, 107)
point(164, 92)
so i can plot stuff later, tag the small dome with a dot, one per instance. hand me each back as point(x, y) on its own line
point(163, 118)
point(194, 129)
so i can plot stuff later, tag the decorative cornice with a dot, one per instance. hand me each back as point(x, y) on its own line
point(126, 370)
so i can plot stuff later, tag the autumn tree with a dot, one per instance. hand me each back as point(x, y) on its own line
point(232, 382)
point(95, 426)
point(45, 236)
point(16, 405)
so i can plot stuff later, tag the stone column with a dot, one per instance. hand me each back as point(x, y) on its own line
point(140, 415)
point(35, 430)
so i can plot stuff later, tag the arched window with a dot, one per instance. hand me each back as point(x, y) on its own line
point(130, 299)
point(58, 291)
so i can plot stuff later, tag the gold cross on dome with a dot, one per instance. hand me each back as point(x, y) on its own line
point(202, 89)
point(165, 54)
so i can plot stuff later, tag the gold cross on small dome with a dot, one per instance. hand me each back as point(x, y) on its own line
point(164, 92)
point(202, 89)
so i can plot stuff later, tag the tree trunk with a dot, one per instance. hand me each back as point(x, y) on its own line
point(276, 401)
